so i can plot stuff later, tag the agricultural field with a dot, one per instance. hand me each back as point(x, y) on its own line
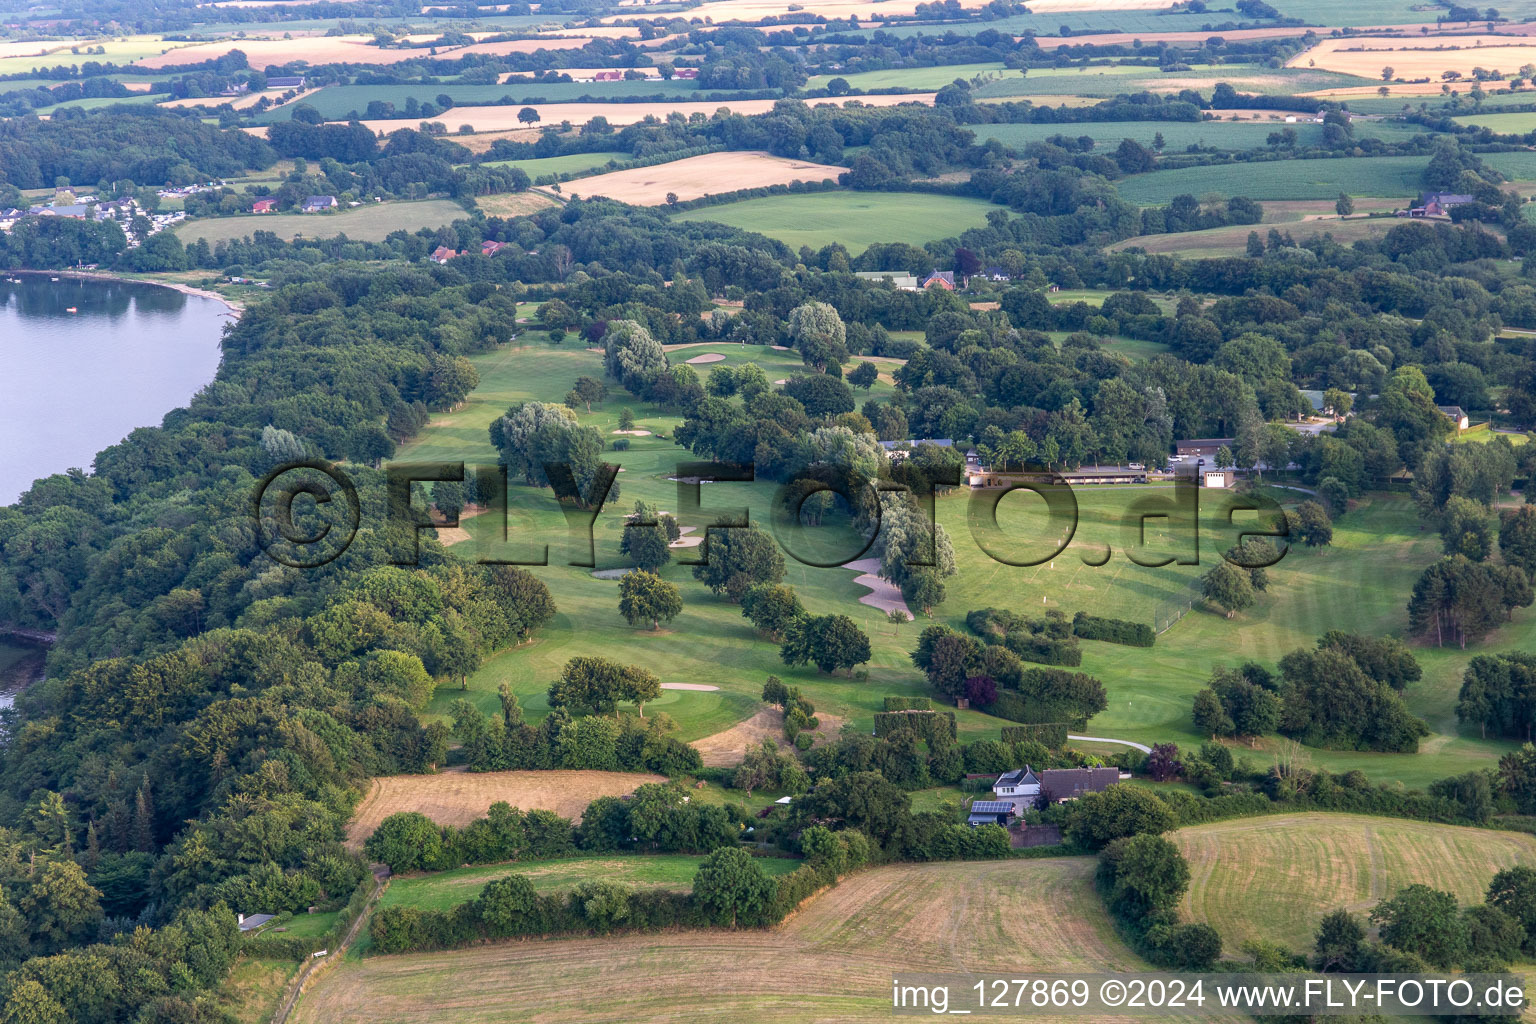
point(574, 163)
point(457, 798)
point(696, 176)
point(338, 101)
point(834, 958)
point(504, 118)
point(1393, 177)
point(1177, 135)
point(365, 224)
point(1514, 123)
point(1412, 58)
point(914, 78)
point(1112, 80)
point(1233, 239)
point(1274, 878)
point(855, 219)
point(251, 992)
point(357, 49)
point(513, 204)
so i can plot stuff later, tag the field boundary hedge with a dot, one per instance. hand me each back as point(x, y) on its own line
point(1113, 631)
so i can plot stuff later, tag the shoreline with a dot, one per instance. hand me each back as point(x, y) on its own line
point(235, 308)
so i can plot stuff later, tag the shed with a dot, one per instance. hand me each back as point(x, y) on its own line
point(989, 812)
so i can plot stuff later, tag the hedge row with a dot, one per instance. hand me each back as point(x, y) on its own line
point(793, 188)
point(924, 723)
point(1051, 735)
point(909, 703)
point(509, 907)
point(1113, 631)
point(1044, 650)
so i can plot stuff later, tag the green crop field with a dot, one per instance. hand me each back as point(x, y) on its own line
point(365, 224)
point(913, 78)
point(337, 101)
point(1177, 135)
point(573, 163)
point(832, 960)
point(856, 219)
point(1274, 878)
point(1386, 176)
point(1358, 583)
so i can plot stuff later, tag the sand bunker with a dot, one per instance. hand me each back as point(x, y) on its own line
point(688, 686)
point(708, 357)
point(883, 594)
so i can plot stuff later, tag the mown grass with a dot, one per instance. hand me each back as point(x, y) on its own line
point(1273, 878)
point(833, 959)
point(369, 223)
point(855, 219)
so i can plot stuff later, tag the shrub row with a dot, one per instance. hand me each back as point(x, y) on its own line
point(924, 723)
point(909, 703)
point(1052, 735)
point(1113, 631)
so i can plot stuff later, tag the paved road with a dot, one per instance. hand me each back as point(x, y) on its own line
point(1105, 739)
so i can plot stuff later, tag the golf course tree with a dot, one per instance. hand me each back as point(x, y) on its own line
point(1309, 523)
point(1227, 587)
point(645, 539)
point(772, 608)
point(1241, 702)
point(1456, 600)
point(586, 390)
point(816, 331)
point(589, 684)
point(646, 597)
point(738, 558)
point(830, 642)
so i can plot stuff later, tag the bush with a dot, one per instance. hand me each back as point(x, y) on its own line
point(1113, 631)
point(621, 444)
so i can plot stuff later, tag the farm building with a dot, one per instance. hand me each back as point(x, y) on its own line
point(905, 282)
point(1438, 204)
point(314, 204)
point(442, 254)
point(686, 73)
point(263, 205)
point(1456, 415)
point(989, 812)
point(489, 248)
point(286, 82)
point(944, 279)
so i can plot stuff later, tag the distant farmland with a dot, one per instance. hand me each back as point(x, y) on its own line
point(856, 219)
point(1177, 135)
point(364, 224)
point(1384, 176)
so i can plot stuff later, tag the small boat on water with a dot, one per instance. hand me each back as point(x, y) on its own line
point(71, 309)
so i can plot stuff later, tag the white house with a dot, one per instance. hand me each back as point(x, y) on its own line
point(1018, 785)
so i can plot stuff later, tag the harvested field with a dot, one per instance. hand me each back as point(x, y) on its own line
point(514, 204)
point(1415, 58)
point(1275, 877)
point(457, 798)
point(832, 960)
point(497, 118)
point(1233, 240)
point(710, 174)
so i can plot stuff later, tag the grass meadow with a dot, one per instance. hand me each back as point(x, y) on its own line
point(832, 959)
point(337, 101)
point(1177, 135)
point(1361, 583)
point(913, 78)
point(371, 223)
point(1275, 877)
point(856, 219)
point(1384, 176)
